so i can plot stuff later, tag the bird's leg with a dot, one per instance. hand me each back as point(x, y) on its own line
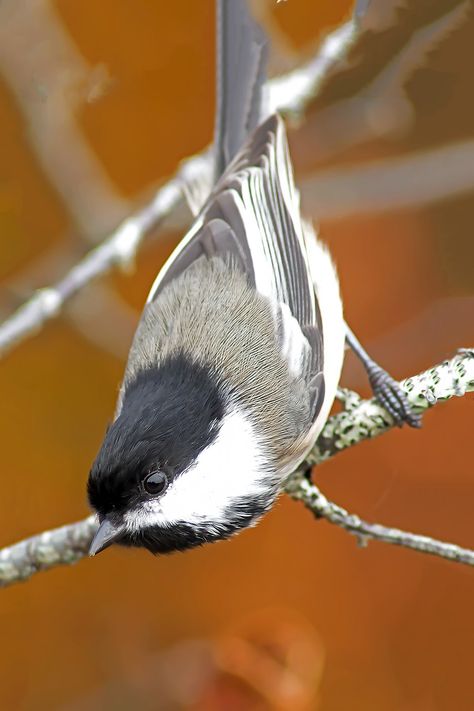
point(307, 471)
point(387, 391)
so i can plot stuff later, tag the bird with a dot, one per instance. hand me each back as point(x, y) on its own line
point(237, 357)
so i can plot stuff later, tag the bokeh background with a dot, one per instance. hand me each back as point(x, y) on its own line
point(99, 101)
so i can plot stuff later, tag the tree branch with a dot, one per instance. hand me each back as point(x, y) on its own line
point(365, 98)
point(60, 546)
point(301, 489)
point(366, 419)
point(362, 419)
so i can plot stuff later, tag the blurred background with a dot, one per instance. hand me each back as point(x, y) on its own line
point(99, 101)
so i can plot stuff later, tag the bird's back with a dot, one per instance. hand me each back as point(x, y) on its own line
point(213, 317)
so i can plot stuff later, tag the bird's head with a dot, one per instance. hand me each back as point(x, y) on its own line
point(182, 465)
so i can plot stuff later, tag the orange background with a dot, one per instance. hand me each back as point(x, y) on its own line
point(290, 615)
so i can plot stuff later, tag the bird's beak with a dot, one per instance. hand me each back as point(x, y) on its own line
point(107, 533)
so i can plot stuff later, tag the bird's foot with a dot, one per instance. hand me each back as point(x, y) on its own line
point(391, 396)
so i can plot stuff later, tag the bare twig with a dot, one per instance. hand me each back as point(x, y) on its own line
point(381, 186)
point(361, 420)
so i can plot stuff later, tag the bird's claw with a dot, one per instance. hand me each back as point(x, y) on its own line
point(391, 396)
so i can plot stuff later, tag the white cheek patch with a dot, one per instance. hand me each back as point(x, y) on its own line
point(233, 466)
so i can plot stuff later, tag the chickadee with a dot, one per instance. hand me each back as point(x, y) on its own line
point(237, 357)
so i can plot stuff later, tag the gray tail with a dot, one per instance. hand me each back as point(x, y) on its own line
point(241, 74)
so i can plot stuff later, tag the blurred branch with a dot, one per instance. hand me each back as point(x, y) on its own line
point(116, 251)
point(361, 420)
point(104, 318)
point(390, 184)
point(365, 98)
point(51, 80)
point(292, 92)
point(408, 181)
point(61, 546)
point(99, 313)
point(386, 183)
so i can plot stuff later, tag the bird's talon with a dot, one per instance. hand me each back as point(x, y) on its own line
point(392, 398)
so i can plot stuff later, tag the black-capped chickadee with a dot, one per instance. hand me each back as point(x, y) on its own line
point(237, 357)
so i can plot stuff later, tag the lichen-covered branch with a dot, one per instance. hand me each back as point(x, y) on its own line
point(301, 489)
point(362, 419)
point(365, 419)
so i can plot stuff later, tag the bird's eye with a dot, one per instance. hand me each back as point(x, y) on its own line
point(155, 483)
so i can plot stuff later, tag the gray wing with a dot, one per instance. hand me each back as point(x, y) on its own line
point(253, 218)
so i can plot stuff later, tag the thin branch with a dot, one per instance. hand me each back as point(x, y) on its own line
point(116, 251)
point(62, 546)
point(301, 489)
point(362, 419)
point(380, 186)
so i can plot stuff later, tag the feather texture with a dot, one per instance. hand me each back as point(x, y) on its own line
point(241, 66)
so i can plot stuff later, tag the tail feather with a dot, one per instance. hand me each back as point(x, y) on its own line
point(241, 74)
